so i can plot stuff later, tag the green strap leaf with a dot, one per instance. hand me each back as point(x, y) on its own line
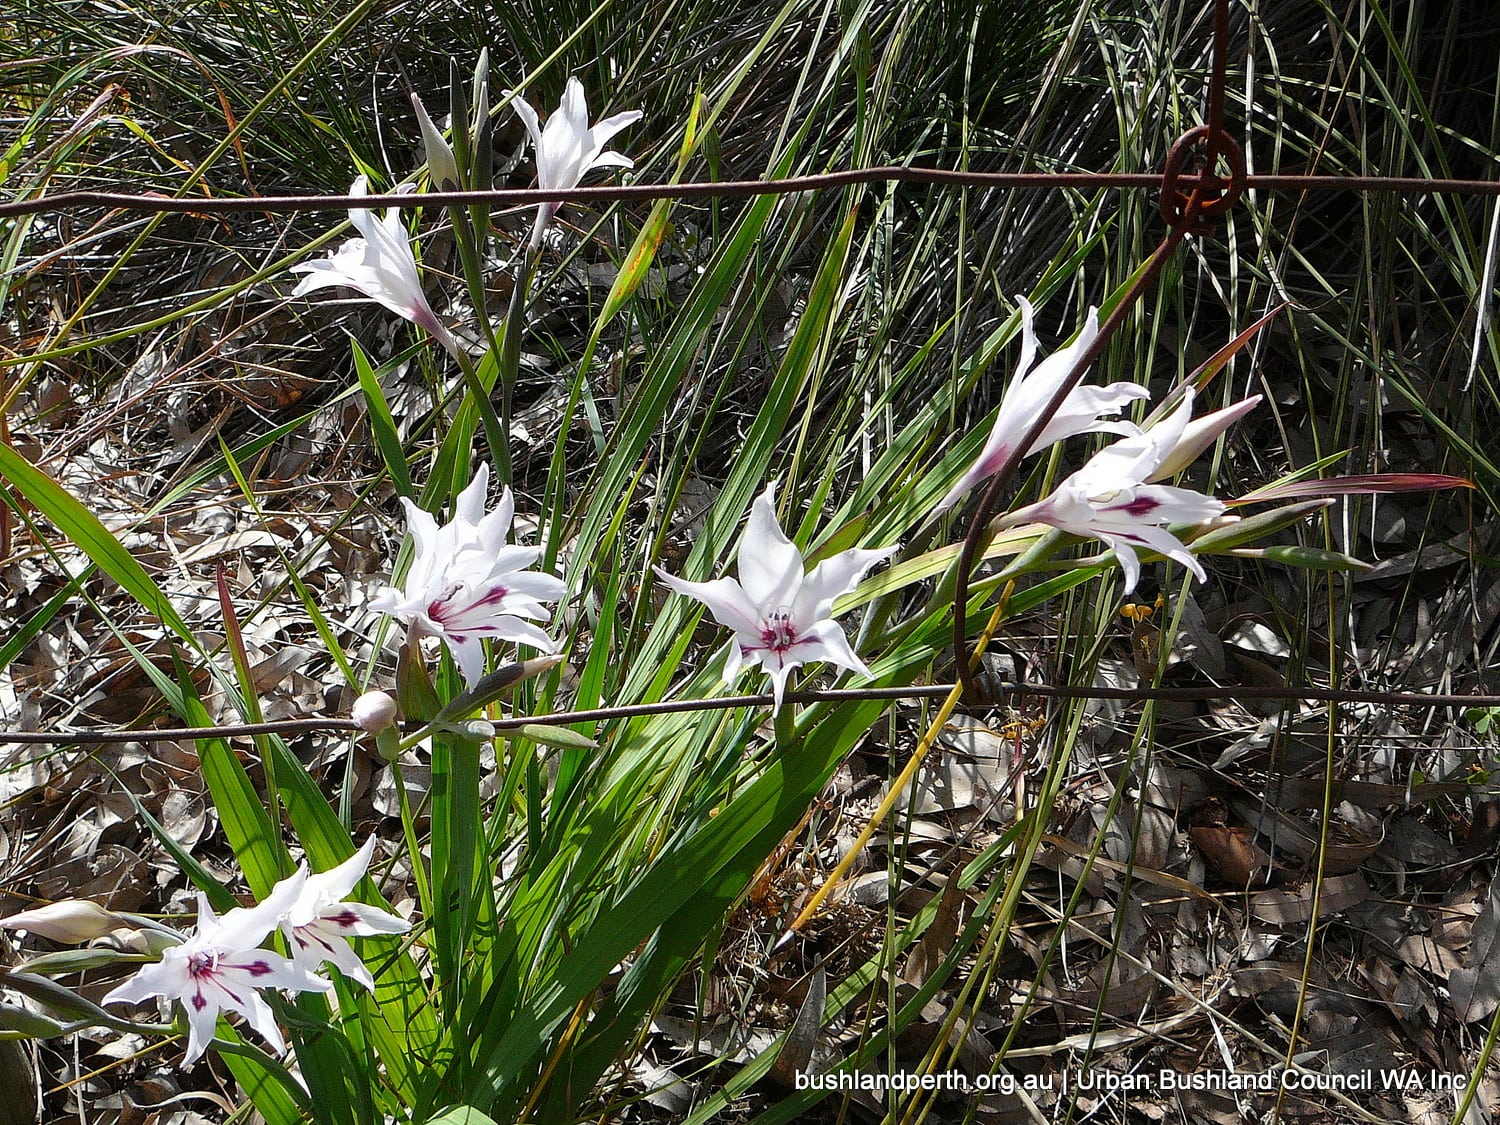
point(85, 530)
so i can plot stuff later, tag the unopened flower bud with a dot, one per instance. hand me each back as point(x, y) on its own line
point(71, 921)
point(374, 711)
point(17, 1022)
point(441, 165)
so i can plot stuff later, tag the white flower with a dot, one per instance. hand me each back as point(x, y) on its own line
point(1030, 391)
point(319, 923)
point(1109, 499)
point(568, 147)
point(466, 583)
point(222, 967)
point(781, 613)
point(380, 265)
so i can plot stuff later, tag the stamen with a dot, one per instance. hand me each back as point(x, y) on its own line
point(778, 634)
point(202, 963)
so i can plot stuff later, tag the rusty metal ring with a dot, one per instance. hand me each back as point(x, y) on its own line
point(1214, 196)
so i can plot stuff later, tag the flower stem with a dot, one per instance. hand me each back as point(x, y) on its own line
point(510, 343)
point(496, 429)
point(785, 722)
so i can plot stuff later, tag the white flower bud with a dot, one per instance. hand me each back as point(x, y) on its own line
point(374, 711)
point(71, 921)
point(441, 165)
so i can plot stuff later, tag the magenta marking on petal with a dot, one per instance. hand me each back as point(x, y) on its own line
point(198, 1002)
point(442, 603)
point(345, 919)
point(492, 596)
point(257, 968)
point(1141, 506)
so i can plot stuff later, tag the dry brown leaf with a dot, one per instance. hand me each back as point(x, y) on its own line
point(1428, 956)
point(1344, 849)
point(1232, 852)
point(797, 1051)
point(1295, 907)
point(937, 941)
point(1475, 988)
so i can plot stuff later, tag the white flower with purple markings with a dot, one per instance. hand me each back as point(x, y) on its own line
point(221, 967)
point(467, 583)
point(781, 613)
point(1111, 499)
point(319, 922)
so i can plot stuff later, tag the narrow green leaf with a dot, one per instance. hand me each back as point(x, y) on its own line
point(91, 536)
point(382, 423)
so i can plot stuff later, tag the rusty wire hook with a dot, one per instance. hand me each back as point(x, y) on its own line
point(1192, 158)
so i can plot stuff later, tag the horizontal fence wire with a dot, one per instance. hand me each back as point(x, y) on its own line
point(734, 189)
point(996, 693)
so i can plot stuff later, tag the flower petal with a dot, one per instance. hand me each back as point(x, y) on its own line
point(362, 217)
point(1028, 342)
point(1136, 458)
point(1199, 434)
point(246, 927)
point(258, 1015)
point(601, 134)
point(322, 947)
point(249, 969)
point(725, 598)
point(769, 566)
point(528, 117)
point(1157, 539)
point(328, 887)
point(834, 577)
point(1130, 563)
point(1028, 395)
point(611, 160)
point(574, 106)
point(1081, 411)
point(779, 666)
point(363, 920)
point(202, 1019)
point(734, 660)
point(566, 147)
point(468, 654)
point(470, 504)
point(1161, 504)
point(826, 641)
point(167, 977)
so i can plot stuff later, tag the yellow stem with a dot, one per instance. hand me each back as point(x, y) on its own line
point(905, 778)
point(562, 1045)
